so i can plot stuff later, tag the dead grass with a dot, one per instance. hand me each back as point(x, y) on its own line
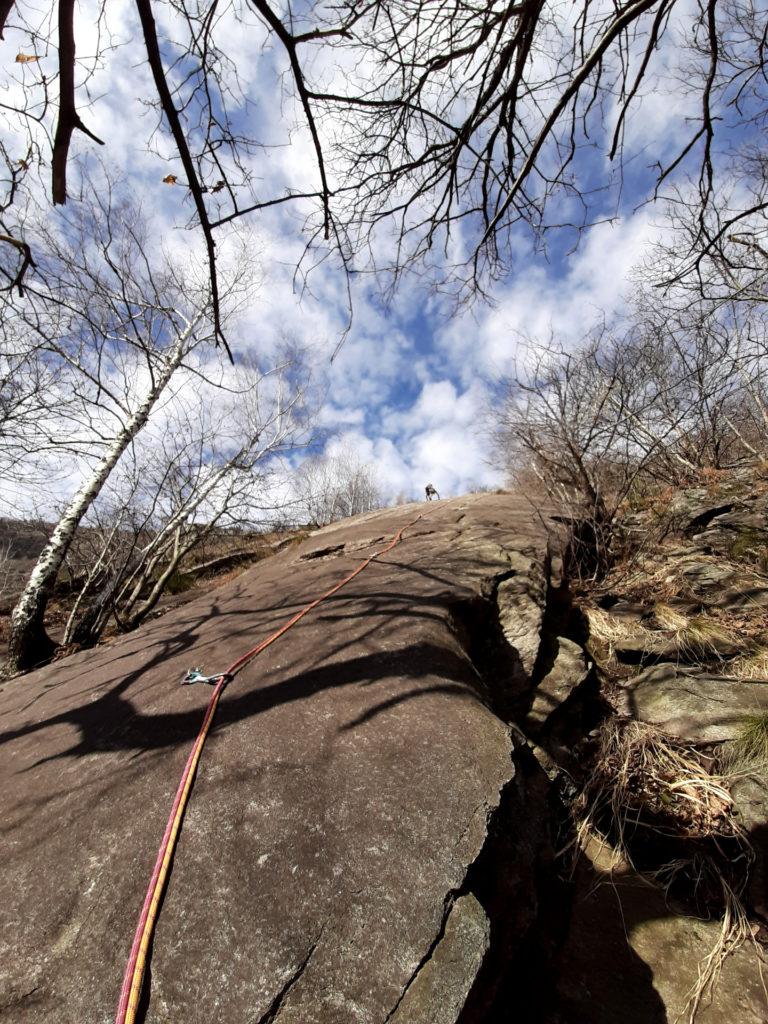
point(647, 780)
point(703, 637)
point(667, 617)
point(659, 568)
point(607, 632)
point(647, 791)
point(751, 666)
point(749, 751)
point(735, 930)
point(688, 638)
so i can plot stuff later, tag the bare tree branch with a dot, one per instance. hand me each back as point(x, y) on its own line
point(18, 280)
point(68, 118)
point(154, 57)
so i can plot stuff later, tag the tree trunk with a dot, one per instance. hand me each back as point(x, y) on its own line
point(29, 644)
point(139, 614)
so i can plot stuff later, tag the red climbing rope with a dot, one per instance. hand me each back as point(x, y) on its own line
point(134, 971)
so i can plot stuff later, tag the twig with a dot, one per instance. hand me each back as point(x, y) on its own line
point(289, 43)
point(172, 116)
point(27, 262)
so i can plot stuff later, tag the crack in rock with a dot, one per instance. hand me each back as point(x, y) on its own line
point(276, 1005)
point(438, 988)
point(333, 549)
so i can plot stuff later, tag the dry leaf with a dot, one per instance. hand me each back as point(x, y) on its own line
point(169, 179)
point(26, 58)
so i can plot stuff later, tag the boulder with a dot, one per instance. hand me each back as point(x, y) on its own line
point(354, 778)
point(629, 611)
point(645, 645)
point(521, 611)
point(628, 956)
point(744, 597)
point(569, 671)
point(750, 796)
point(695, 705)
point(704, 577)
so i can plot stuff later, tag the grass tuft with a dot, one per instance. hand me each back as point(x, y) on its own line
point(648, 793)
point(667, 617)
point(751, 666)
point(645, 781)
point(703, 638)
point(698, 638)
point(750, 748)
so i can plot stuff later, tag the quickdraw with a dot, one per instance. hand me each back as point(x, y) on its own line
point(195, 675)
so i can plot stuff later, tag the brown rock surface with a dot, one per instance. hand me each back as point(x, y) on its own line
point(628, 958)
point(349, 783)
point(569, 671)
point(696, 705)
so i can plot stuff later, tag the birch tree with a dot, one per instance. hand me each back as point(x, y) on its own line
point(27, 641)
point(204, 468)
point(121, 322)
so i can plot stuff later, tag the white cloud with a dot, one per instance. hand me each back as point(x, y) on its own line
point(538, 300)
point(438, 436)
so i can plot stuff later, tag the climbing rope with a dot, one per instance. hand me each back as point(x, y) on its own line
point(137, 961)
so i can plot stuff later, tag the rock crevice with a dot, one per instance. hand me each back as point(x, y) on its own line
point(371, 831)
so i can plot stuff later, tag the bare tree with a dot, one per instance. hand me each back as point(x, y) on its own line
point(556, 418)
point(720, 257)
point(204, 469)
point(121, 325)
point(654, 403)
point(331, 487)
point(708, 363)
point(458, 120)
point(32, 390)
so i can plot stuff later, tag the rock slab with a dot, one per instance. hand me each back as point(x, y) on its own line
point(628, 957)
point(569, 671)
point(350, 782)
point(696, 705)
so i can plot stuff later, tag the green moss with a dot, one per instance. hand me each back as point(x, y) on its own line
point(750, 546)
point(178, 583)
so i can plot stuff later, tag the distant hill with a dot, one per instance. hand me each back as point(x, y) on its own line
point(26, 538)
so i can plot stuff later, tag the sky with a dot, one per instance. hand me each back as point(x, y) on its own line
point(410, 390)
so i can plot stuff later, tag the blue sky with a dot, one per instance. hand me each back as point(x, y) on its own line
point(410, 387)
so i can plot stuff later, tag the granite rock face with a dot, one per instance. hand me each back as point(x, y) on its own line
point(569, 670)
point(354, 777)
point(371, 837)
point(696, 705)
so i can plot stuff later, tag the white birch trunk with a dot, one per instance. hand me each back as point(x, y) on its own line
point(27, 631)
